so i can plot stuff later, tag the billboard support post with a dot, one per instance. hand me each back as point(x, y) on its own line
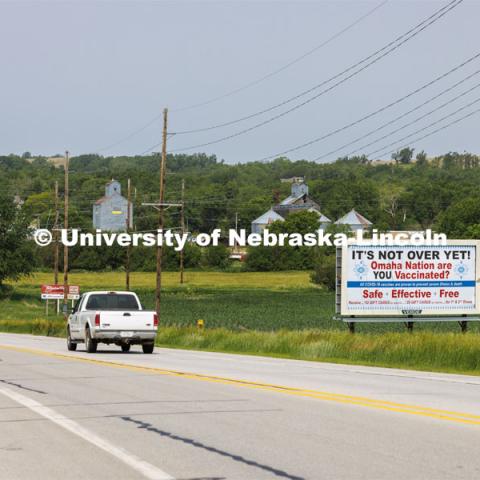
point(409, 326)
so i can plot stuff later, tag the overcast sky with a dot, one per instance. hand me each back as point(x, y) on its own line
point(81, 75)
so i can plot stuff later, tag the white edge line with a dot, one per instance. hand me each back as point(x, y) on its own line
point(146, 469)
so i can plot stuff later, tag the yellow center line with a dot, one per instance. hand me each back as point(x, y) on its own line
point(439, 414)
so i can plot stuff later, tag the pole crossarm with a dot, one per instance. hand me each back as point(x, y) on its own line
point(161, 205)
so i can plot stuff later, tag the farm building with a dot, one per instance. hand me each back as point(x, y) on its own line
point(322, 219)
point(300, 200)
point(355, 221)
point(260, 223)
point(297, 201)
point(110, 212)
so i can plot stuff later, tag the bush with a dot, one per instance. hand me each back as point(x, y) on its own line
point(324, 271)
point(217, 257)
point(260, 259)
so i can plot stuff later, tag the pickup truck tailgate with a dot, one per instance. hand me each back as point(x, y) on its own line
point(118, 320)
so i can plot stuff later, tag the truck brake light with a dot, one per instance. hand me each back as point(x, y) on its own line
point(155, 320)
point(97, 320)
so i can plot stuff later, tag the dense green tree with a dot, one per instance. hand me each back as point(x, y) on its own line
point(324, 271)
point(424, 200)
point(392, 196)
point(216, 257)
point(16, 253)
point(421, 158)
point(404, 155)
point(473, 231)
point(265, 258)
point(457, 220)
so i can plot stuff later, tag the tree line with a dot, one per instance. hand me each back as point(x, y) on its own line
point(410, 192)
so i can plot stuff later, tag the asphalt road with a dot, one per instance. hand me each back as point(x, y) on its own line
point(193, 415)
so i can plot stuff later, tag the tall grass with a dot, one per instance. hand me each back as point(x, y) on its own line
point(441, 352)
point(446, 352)
point(50, 328)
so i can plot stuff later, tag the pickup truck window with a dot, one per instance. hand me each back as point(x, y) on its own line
point(112, 301)
point(76, 308)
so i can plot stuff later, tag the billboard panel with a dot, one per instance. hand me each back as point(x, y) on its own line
point(410, 280)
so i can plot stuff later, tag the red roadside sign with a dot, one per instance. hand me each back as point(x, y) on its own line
point(56, 292)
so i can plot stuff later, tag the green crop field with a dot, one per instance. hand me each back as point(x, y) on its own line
point(255, 301)
point(236, 301)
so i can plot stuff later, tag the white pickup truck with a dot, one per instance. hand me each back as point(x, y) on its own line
point(111, 317)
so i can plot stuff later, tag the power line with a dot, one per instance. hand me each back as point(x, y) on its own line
point(402, 39)
point(381, 127)
point(287, 65)
point(437, 130)
point(443, 105)
point(376, 112)
point(252, 83)
point(431, 125)
point(311, 99)
point(156, 145)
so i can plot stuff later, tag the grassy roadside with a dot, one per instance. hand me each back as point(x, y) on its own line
point(436, 352)
point(429, 351)
point(272, 314)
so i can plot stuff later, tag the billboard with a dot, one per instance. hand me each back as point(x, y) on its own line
point(389, 280)
point(55, 292)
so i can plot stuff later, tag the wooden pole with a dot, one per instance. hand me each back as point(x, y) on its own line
point(129, 247)
point(55, 236)
point(236, 231)
point(163, 161)
point(65, 248)
point(182, 226)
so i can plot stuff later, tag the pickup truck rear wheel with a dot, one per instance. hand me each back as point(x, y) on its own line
point(71, 345)
point(90, 344)
point(126, 347)
point(148, 347)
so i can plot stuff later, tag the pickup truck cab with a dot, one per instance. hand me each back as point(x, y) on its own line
point(111, 317)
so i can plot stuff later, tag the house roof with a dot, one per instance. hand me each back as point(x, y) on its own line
point(291, 199)
point(322, 218)
point(353, 218)
point(268, 217)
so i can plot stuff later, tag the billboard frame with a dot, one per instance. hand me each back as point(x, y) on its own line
point(392, 316)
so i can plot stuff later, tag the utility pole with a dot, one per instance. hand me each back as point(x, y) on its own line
point(65, 248)
point(236, 230)
point(129, 247)
point(163, 161)
point(56, 245)
point(182, 226)
point(55, 236)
